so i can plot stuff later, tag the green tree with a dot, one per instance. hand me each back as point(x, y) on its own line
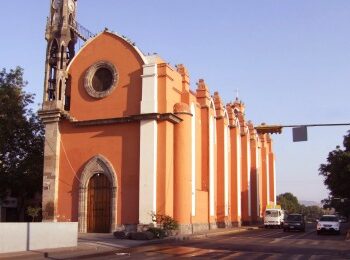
point(311, 212)
point(288, 202)
point(21, 140)
point(336, 173)
point(33, 212)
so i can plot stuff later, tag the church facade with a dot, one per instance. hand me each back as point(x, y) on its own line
point(126, 137)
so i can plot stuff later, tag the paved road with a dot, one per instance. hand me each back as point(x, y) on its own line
point(251, 244)
point(255, 244)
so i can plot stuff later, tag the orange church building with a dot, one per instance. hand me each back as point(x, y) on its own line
point(127, 136)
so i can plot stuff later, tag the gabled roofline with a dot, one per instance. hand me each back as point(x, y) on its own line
point(128, 41)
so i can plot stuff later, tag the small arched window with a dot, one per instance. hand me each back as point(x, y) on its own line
point(67, 94)
point(53, 53)
point(70, 51)
point(62, 57)
point(71, 20)
point(60, 91)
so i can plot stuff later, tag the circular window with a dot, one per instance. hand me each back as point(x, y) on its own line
point(100, 80)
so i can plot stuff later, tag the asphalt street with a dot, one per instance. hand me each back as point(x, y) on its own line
point(251, 243)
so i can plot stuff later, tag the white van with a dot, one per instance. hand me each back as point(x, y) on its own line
point(274, 216)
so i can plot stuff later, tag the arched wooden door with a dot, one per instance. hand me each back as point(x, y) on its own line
point(99, 204)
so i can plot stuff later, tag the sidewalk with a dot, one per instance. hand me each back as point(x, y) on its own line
point(90, 245)
point(213, 232)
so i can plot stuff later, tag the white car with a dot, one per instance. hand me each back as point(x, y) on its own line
point(328, 223)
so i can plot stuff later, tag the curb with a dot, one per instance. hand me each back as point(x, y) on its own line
point(216, 232)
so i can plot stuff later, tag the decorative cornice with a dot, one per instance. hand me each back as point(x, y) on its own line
point(181, 108)
point(55, 115)
point(50, 116)
point(118, 120)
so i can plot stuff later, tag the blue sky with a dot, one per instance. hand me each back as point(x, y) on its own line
point(289, 59)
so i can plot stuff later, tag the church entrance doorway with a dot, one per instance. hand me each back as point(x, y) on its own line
point(99, 204)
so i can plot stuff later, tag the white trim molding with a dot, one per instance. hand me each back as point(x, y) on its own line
point(211, 166)
point(226, 173)
point(239, 172)
point(267, 178)
point(149, 103)
point(148, 145)
point(148, 171)
point(193, 156)
point(274, 182)
point(249, 184)
point(257, 156)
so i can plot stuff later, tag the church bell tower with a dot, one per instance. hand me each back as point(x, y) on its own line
point(61, 39)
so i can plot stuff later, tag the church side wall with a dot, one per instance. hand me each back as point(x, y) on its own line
point(235, 176)
point(264, 172)
point(165, 168)
point(253, 178)
point(260, 177)
point(168, 95)
point(272, 174)
point(245, 194)
point(169, 88)
point(220, 203)
point(202, 195)
point(214, 174)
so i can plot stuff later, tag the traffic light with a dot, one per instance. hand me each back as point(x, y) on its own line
point(269, 129)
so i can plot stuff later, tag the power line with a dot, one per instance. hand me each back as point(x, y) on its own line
point(311, 125)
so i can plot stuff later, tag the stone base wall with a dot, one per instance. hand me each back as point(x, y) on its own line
point(129, 227)
point(236, 224)
point(226, 224)
point(221, 224)
point(257, 222)
point(200, 227)
point(213, 225)
point(246, 223)
point(185, 228)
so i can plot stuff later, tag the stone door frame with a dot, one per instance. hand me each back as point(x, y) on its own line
point(97, 164)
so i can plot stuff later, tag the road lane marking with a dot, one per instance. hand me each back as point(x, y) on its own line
point(307, 233)
point(276, 240)
point(284, 237)
point(274, 256)
point(255, 235)
point(269, 234)
point(296, 257)
point(235, 254)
